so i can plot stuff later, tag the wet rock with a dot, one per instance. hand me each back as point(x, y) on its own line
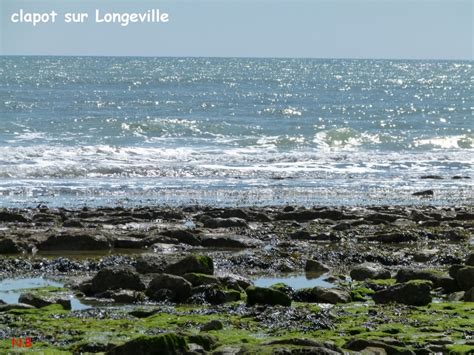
point(235, 282)
point(200, 264)
point(364, 345)
point(425, 255)
point(453, 270)
point(113, 278)
point(364, 272)
point(469, 295)
point(282, 287)
point(9, 246)
point(465, 278)
point(73, 223)
point(183, 236)
point(432, 177)
point(308, 346)
point(128, 243)
point(297, 215)
point(214, 294)
point(146, 264)
point(315, 266)
point(201, 279)
point(267, 296)
point(414, 293)
point(39, 302)
point(301, 235)
point(394, 238)
point(10, 306)
point(378, 218)
point(218, 222)
point(234, 213)
point(206, 341)
point(438, 279)
point(164, 344)
point(123, 296)
point(470, 260)
point(322, 295)
point(222, 241)
point(212, 325)
point(9, 216)
point(75, 241)
point(424, 193)
point(179, 287)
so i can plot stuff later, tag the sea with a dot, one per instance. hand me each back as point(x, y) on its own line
point(131, 131)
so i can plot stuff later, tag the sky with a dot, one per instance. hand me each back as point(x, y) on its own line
point(394, 29)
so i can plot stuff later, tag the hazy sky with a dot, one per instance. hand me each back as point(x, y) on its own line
point(250, 28)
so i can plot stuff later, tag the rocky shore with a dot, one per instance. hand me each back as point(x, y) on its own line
point(386, 279)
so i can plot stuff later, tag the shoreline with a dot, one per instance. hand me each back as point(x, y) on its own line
point(344, 278)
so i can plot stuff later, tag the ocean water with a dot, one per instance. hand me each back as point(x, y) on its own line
point(78, 131)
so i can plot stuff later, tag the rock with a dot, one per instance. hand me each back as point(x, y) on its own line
point(157, 344)
point(470, 260)
point(315, 266)
point(7, 216)
point(149, 264)
point(364, 272)
point(179, 287)
point(200, 264)
point(8, 246)
point(331, 295)
point(378, 218)
point(456, 296)
point(75, 241)
point(214, 294)
point(123, 296)
point(206, 341)
point(213, 223)
point(10, 306)
point(413, 293)
point(465, 278)
point(394, 238)
point(235, 282)
point(322, 295)
point(222, 241)
point(282, 287)
point(201, 279)
point(212, 325)
point(309, 346)
point(424, 193)
point(128, 243)
point(453, 270)
point(469, 295)
point(364, 344)
point(267, 296)
point(39, 302)
point(183, 236)
point(433, 177)
point(73, 223)
point(425, 255)
point(113, 278)
point(301, 235)
point(438, 279)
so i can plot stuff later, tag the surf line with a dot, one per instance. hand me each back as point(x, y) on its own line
point(125, 18)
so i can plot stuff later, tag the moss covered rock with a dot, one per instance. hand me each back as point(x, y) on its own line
point(179, 288)
point(262, 295)
point(414, 293)
point(192, 264)
point(197, 279)
point(161, 344)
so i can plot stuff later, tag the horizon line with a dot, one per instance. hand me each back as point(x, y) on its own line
point(230, 57)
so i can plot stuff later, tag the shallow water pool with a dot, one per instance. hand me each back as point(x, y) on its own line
point(11, 289)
